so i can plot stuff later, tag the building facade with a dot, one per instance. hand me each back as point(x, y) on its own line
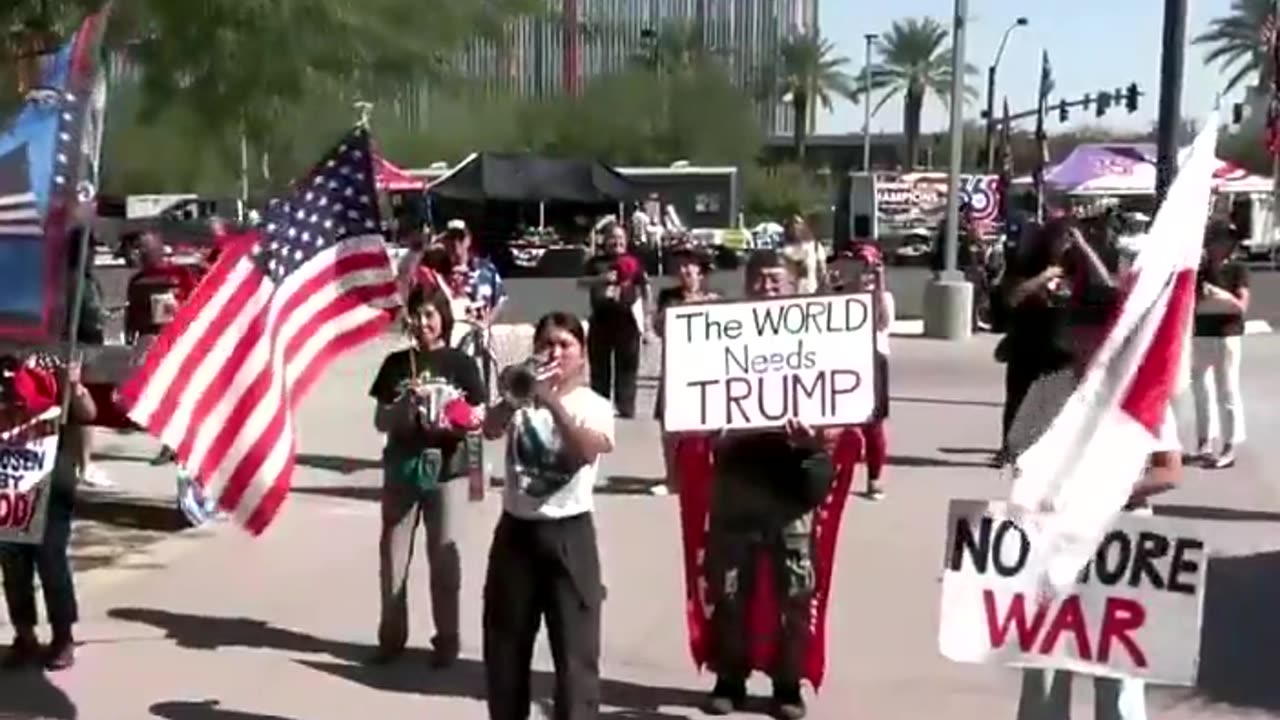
point(580, 40)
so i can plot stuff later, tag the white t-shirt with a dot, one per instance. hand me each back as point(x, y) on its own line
point(540, 483)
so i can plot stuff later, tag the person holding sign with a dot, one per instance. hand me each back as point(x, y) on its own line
point(427, 397)
point(1046, 695)
point(766, 486)
point(691, 270)
point(544, 562)
point(48, 557)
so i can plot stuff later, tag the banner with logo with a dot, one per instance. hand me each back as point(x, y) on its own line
point(912, 203)
point(28, 451)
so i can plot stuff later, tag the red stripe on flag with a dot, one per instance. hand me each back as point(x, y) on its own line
point(1156, 380)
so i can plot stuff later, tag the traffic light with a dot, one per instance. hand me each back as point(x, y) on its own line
point(1131, 98)
point(1104, 104)
point(1088, 100)
point(1063, 115)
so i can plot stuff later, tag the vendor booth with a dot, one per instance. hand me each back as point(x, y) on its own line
point(531, 215)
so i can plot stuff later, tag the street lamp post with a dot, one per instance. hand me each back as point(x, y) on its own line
point(991, 91)
point(948, 298)
point(1171, 65)
point(866, 105)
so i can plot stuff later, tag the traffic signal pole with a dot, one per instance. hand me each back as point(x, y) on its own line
point(1171, 67)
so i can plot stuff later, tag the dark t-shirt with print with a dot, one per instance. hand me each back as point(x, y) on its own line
point(1232, 277)
point(447, 364)
point(614, 309)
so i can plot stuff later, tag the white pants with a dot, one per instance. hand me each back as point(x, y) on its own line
point(1215, 375)
point(1046, 695)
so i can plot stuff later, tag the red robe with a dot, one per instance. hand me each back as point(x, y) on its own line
point(693, 469)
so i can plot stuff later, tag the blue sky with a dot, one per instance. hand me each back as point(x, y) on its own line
point(1093, 45)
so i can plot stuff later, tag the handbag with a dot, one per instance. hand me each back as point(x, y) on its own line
point(418, 469)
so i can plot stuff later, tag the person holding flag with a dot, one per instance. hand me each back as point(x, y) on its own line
point(1099, 437)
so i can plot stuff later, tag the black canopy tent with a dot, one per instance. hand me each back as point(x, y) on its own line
point(527, 178)
point(499, 193)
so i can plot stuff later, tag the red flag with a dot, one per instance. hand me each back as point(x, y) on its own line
point(1272, 38)
point(694, 471)
point(222, 383)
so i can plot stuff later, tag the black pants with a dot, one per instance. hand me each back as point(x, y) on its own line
point(49, 559)
point(613, 350)
point(1019, 375)
point(543, 569)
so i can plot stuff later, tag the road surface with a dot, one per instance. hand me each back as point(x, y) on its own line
point(219, 626)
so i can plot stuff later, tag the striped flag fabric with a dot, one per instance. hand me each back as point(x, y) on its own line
point(222, 383)
point(1078, 475)
point(19, 215)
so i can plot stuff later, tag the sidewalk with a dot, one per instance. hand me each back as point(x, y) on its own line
point(292, 613)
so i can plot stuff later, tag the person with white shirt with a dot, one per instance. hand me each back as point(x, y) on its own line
point(803, 251)
point(544, 561)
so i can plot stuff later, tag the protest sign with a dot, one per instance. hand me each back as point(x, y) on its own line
point(28, 450)
point(1134, 612)
point(757, 363)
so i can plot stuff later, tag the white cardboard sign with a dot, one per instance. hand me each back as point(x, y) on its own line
point(28, 451)
point(757, 363)
point(1135, 611)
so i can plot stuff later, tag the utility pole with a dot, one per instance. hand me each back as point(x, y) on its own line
point(867, 104)
point(1171, 67)
point(948, 298)
point(989, 151)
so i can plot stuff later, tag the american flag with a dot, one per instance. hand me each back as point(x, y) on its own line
point(19, 215)
point(221, 385)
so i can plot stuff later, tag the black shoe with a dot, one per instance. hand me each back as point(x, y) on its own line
point(444, 652)
point(727, 697)
point(61, 655)
point(787, 704)
point(23, 652)
point(384, 656)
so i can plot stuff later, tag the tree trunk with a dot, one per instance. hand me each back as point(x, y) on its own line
point(799, 116)
point(912, 106)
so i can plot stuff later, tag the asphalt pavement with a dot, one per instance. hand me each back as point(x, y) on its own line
point(218, 626)
point(533, 297)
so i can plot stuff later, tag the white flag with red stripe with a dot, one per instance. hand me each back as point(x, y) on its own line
point(222, 383)
point(1078, 475)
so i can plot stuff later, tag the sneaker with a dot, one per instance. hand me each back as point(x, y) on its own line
point(787, 704)
point(874, 491)
point(727, 697)
point(1222, 462)
point(61, 655)
point(444, 652)
point(659, 490)
point(1140, 507)
point(24, 651)
point(93, 476)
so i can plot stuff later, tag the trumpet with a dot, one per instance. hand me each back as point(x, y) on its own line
point(517, 382)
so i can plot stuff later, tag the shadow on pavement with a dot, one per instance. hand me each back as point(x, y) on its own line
point(629, 485)
point(466, 680)
point(967, 451)
point(29, 694)
point(1197, 512)
point(204, 710)
point(1239, 636)
point(204, 632)
point(947, 401)
point(371, 493)
point(921, 461)
point(338, 463)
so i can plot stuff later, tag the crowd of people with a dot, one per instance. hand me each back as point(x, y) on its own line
point(1059, 290)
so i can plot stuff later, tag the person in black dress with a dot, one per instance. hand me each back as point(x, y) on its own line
point(1217, 347)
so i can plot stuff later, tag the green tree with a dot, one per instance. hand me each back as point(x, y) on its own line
point(243, 63)
point(914, 62)
point(807, 73)
point(1236, 43)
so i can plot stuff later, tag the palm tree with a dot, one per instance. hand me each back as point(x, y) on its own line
point(914, 62)
point(807, 73)
point(1238, 43)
